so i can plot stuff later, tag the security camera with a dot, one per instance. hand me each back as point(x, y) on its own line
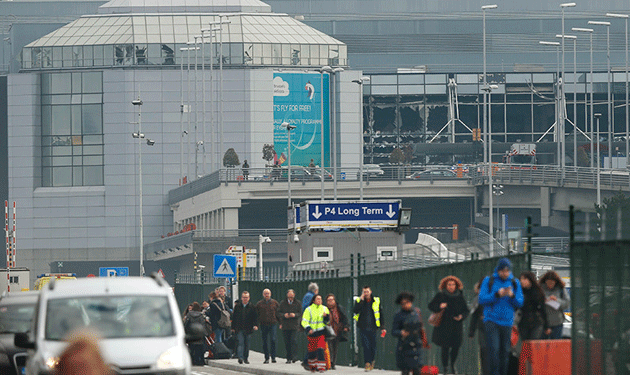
point(296, 238)
point(201, 266)
point(267, 240)
point(136, 102)
point(150, 142)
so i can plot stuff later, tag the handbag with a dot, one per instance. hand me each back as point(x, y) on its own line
point(329, 333)
point(435, 319)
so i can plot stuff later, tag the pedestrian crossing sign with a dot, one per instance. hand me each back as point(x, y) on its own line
point(224, 266)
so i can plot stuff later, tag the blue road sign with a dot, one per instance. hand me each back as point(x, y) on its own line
point(113, 271)
point(353, 214)
point(224, 266)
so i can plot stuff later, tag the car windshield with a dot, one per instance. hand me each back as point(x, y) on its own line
point(110, 316)
point(16, 318)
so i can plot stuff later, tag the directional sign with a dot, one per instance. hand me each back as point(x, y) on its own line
point(372, 214)
point(224, 266)
point(113, 271)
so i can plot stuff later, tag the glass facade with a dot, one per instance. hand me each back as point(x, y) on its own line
point(156, 40)
point(404, 109)
point(72, 129)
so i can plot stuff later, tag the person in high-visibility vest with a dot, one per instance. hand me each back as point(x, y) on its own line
point(368, 313)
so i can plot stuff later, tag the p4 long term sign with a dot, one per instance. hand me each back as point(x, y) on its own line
point(352, 214)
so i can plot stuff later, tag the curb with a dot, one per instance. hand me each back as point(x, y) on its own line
point(247, 369)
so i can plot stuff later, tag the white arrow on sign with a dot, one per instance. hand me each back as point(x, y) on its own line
point(318, 214)
point(390, 213)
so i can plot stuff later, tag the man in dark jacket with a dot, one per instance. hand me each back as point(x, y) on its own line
point(368, 312)
point(267, 309)
point(289, 316)
point(244, 323)
point(500, 294)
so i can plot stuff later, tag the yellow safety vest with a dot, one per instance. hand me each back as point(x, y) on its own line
point(376, 307)
point(313, 317)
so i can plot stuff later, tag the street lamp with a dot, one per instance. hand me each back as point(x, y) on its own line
point(485, 81)
point(625, 18)
point(559, 90)
point(562, 134)
point(261, 239)
point(213, 146)
point(487, 90)
point(360, 82)
point(220, 55)
point(322, 70)
point(140, 136)
point(607, 24)
point(289, 127)
point(599, 191)
point(497, 192)
point(334, 129)
point(590, 32)
point(574, 38)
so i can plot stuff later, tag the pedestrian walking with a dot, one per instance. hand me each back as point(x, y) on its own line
point(369, 316)
point(501, 295)
point(339, 323)
point(218, 308)
point(245, 168)
point(195, 317)
point(556, 301)
point(290, 316)
point(314, 320)
point(476, 326)
point(533, 317)
point(448, 335)
point(407, 327)
point(267, 309)
point(244, 323)
point(313, 289)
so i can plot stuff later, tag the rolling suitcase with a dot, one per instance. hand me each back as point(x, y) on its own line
point(220, 351)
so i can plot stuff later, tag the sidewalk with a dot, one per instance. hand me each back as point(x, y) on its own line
point(256, 366)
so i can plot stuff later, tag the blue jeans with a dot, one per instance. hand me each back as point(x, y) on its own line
point(269, 338)
point(218, 334)
point(242, 351)
point(368, 341)
point(556, 333)
point(498, 346)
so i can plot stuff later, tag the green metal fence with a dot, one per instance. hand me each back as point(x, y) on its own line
point(600, 305)
point(423, 282)
point(188, 293)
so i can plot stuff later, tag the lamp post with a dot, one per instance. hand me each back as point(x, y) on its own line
point(360, 82)
point(213, 147)
point(599, 190)
point(140, 136)
point(220, 55)
point(574, 38)
point(485, 82)
point(559, 85)
point(322, 70)
point(487, 90)
point(564, 115)
point(289, 127)
point(607, 24)
point(497, 191)
point(590, 32)
point(334, 130)
point(625, 18)
point(261, 239)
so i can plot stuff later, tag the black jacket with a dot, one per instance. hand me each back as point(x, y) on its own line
point(244, 318)
point(216, 306)
point(408, 354)
point(366, 314)
point(533, 312)
point(290, 324)
point(194, 318)
point(449, 332)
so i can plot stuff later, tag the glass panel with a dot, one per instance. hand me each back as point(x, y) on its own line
point(93, 150)
point(93, 176)
point(93, 160)
point(168, 55)
point(77, 176)
point(47, 151)
point(92, 139)
point(47, 161)
point(76, 119)
point(61, 150)
point(67, 57)
point(435, 78)
point(141, 54)
point(410, 79)
point(60, 99)
point(92, 82)
point(61, 176)
point(76, 99)
point(60, 83)
point(77, 56)
point(98, 56)
point(108, 55)
point(46, 177)
point(45, 81)
point(62, 161)
point(92, 119)
point(46, 57)
point(88, 56)
point(60, 120)
point(383, 80)
point(46, 120)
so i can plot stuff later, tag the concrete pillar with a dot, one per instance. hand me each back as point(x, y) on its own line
point(545, 206)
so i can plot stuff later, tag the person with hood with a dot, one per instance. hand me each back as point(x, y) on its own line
point(556, 301)
point(407, 327)
point(500, 294)
point(195, 317)
point(448, 335)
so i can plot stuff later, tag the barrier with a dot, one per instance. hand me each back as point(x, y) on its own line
point(553, 357)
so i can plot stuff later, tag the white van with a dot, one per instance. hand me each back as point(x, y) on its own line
point(136, 318)
point(372, 170)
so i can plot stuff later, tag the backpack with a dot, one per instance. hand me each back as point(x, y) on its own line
point(224, 320)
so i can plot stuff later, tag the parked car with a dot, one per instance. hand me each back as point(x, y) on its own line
point(371, 171)
point(16, 315)
point(136, 318)
point(432, 174)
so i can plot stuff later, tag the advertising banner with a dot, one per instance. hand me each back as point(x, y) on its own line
point(297, 99)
